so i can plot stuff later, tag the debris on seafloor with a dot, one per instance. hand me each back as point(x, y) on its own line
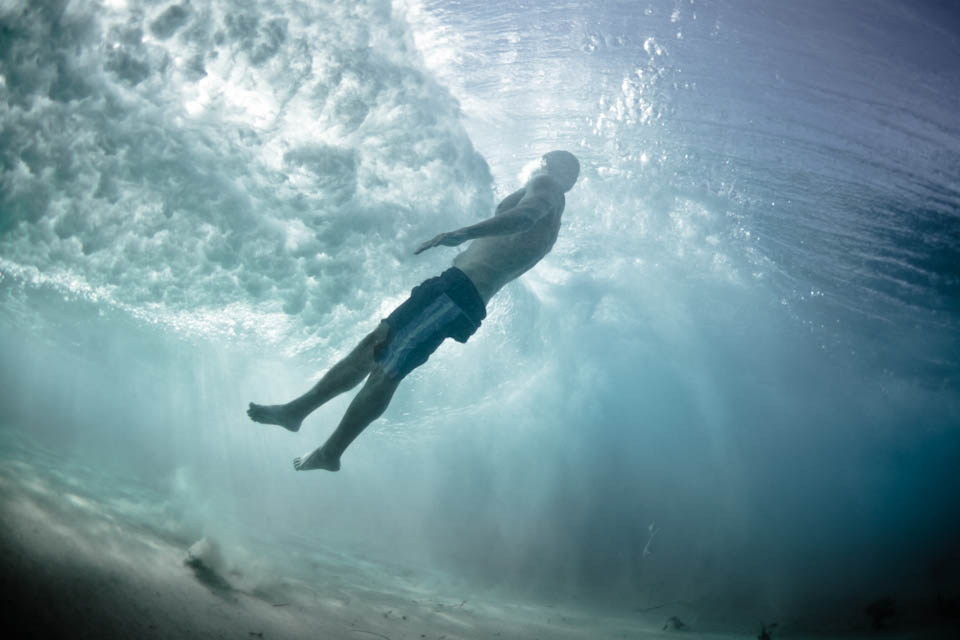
point(879, 610)
point(204, 558)
point(675, 623)
point(205, 552)
point(765, 631)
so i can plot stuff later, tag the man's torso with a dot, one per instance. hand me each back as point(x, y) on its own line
point(494, 261)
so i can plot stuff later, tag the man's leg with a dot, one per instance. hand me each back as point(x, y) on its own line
point(366, 407)
point(343, 376)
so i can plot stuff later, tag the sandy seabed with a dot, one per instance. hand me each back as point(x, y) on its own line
point(76, 564)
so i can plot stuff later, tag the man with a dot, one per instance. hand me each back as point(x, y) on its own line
point(452, 305)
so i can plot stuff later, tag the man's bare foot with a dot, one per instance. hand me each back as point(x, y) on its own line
point(316, 459)
point(280, 414)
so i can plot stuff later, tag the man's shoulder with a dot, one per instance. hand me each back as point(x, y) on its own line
point(543, 182)
point(546, 188)
point(510, 201)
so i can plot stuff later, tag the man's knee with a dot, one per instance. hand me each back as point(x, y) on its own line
point(378, 376)
point(382, 380)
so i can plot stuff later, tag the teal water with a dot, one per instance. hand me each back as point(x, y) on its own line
point(734, 382)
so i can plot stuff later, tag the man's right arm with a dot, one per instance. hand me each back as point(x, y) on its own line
point(513, 221)
point(510, 201)
point(518, 212)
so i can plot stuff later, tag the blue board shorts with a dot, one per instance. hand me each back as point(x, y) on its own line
point(447, 306)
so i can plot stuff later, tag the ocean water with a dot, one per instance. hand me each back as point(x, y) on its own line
point(732, 387)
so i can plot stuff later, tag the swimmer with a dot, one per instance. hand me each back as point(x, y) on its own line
point(521, 232)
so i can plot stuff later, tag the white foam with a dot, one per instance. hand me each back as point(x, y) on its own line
point(269, 159)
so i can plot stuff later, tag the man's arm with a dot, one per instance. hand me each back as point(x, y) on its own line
point(510, 201)
point(531, 203)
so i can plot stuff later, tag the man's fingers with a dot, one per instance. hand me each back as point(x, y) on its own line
point(428, 244)
point(447, 239)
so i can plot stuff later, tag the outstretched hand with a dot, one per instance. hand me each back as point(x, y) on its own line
point(447, 239)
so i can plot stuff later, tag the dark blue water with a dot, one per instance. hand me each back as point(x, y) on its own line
point(745, 339)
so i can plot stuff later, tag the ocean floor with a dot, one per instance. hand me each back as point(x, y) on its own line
point(85, 555)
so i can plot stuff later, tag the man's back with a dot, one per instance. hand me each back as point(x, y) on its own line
point(493, 261)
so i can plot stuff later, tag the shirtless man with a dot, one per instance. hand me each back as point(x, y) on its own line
point(451, 305)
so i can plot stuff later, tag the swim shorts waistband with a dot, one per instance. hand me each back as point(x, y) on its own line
point(463, 292)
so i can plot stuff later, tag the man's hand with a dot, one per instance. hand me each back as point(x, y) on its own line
point(448, 239)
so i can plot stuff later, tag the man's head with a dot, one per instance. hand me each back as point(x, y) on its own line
point(562, 166)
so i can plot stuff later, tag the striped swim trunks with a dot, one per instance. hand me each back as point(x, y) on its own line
point(447, 306)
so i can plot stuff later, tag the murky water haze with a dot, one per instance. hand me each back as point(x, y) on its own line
point(744, 341)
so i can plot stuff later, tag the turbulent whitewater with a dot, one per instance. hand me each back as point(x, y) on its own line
point(733, 383)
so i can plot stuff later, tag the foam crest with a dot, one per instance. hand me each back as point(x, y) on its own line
point(191, 158)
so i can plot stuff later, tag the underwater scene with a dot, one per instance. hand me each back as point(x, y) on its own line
point(703, 381)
